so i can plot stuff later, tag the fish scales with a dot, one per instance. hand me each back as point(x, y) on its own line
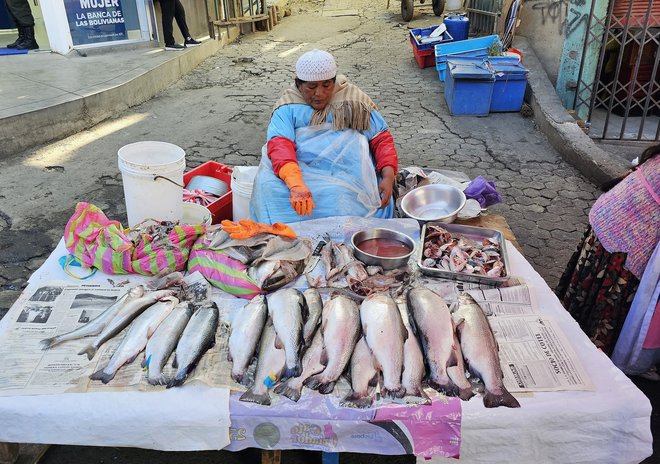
point(196, 339)
point(311, 364)
point(96, 325)
point(123, 318)
point(385, 334)
point(364, 377)
point(285, 308)
point(162, 343)
point(481, 352)
point(246, 329)
point(314, 308)
point(341, 329)
point(270, 367)
point(136, 338)
point(413, 365)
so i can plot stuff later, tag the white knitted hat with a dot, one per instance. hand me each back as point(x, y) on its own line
point(316, 65)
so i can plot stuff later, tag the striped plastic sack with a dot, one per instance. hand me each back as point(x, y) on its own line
point(101, 243)
point(228, 274)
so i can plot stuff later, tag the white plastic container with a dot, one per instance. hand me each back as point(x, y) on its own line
point(242, 180)
point(453, 5)
point(150, 173)
point(194, 214)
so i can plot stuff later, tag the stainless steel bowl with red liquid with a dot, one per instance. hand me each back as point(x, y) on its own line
point(386, 248)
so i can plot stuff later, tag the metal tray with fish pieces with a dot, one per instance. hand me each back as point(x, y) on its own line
point(470, 232)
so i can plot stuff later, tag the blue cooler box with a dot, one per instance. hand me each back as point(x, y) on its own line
point(469, 87)
point(509, 88)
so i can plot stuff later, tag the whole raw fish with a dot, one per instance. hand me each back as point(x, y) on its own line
point(136, 338)
point(481, 351)
point(341, 329)
point(413, 365)
point(285, 308)
point(435, 329)
point(246, 329)
point(162, 343)
point(270, 366)
point(196, 339)
point(124, 316)
point(271, 275)
point(364, 377)
point(385, 334)
point(96, 325)
point(314, 309)
point(311, 364)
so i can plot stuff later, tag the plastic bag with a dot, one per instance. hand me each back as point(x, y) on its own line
point(483, 191)
point(338, 170)
point(228, 274)
point(99, 242)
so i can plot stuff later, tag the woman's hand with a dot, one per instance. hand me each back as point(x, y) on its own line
point(386, 185)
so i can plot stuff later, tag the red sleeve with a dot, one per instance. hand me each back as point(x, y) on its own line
point(382, 146)
point(281, 151)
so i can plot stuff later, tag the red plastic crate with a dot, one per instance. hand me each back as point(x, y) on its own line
point(424, 58)
point(222, 207)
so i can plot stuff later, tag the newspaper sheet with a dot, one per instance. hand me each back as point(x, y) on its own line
point(534, 353)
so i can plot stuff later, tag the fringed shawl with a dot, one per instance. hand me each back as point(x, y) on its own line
point(350, 107)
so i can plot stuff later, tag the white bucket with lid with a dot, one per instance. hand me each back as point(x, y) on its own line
point(152, 174)
point(242, 180)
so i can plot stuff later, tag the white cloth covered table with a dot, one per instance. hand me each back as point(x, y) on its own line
point(608, 425)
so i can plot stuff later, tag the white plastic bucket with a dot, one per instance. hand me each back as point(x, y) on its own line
point(150, 173)
point(194, 214)
point(242, 180)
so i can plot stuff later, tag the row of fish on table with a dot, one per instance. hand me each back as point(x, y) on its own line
point(159, 323)
point(302, 342)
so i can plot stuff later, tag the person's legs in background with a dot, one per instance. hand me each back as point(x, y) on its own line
point(180, 16)
point(167, 12)
point(22, 16)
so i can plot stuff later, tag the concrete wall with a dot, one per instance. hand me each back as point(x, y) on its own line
point(543, 23)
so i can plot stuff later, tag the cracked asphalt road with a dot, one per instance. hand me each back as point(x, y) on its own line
point(220, 111)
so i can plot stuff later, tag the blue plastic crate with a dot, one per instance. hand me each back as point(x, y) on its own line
point(469, 88)
point(509, 87)
point(441, 66)
point(469, 47)
point(425, 32)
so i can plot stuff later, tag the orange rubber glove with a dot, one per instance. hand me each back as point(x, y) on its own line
point(245, 229)
point(301, 197)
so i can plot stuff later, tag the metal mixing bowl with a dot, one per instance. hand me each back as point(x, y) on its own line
point(435, 202)
point(382, 261)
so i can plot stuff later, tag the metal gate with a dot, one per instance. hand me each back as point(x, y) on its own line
point(622, 102)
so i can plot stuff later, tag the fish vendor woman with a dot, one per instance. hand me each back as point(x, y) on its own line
point(329, 151)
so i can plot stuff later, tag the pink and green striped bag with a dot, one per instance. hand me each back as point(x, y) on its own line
point(220, 270)
point(101, 243)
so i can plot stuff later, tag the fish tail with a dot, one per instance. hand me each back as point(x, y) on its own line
point(393, 393)
point(416, 395)
point(180, 377)
point(49, 342)
point(90, 351)
point(102, 376)
point(294, 371)
point(251, 397)
point(284, 389)
point(327, 387)
point(160, 379)
point(314, 382)
point(492, 400)
point(356, 400)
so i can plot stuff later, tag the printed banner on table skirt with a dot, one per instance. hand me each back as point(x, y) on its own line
point(317, 422)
